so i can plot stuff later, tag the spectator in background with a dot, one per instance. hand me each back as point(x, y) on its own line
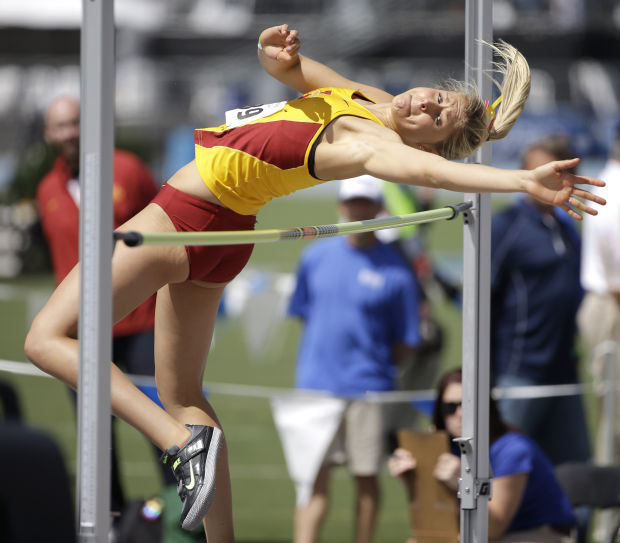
point(420, 371)
point(535, 294)
point(358, 302)
point(599, 314)
point(58, 201)
point(528, 504)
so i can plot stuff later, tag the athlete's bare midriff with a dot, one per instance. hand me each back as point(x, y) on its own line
point(188, 180)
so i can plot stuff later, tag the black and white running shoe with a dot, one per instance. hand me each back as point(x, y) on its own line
point(193, 466)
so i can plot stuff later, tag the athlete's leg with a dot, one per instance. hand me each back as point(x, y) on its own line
point(137, 273)
point(184, 321)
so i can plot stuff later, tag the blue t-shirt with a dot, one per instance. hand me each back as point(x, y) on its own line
point(544, 501)
point(356, 304)
point(535, 294)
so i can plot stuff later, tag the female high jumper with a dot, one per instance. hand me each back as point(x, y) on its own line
point(336, 129)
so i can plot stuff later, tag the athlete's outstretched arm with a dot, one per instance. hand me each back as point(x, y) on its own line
point(279, 55)
point(380, 152)
point(550, 183)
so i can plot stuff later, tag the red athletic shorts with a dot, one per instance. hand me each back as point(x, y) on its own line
point(213, 263)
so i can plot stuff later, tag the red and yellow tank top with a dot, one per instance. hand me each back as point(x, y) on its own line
point(263, 152)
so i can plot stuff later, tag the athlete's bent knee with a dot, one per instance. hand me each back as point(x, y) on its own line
point(33, 347)
point(38, 345)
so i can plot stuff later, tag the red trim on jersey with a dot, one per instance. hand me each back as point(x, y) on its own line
point(280, 143)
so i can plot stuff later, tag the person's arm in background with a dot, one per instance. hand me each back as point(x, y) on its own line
point(401, 465)
point(43, 198)
point(279, 55)
point(59, 217)
point(448, 470)
point(506, 498)
point(507, 495)
point(134, 186)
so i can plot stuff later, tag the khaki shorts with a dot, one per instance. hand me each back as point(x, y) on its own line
point(360, 441)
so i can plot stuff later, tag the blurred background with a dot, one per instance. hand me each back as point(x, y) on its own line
point(179, 65)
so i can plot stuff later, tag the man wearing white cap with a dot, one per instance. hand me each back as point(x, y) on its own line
point(358, 301)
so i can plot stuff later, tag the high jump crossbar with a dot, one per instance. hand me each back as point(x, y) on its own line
point(297, 233)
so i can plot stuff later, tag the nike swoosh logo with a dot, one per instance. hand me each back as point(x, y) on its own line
point(192, 481)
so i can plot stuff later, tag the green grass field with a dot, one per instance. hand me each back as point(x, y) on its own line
point(263, 493)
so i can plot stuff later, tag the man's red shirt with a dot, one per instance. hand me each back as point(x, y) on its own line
point(134, 187)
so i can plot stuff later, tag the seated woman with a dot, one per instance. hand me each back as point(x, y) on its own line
point(528, 504)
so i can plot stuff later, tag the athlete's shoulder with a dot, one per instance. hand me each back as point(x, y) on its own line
point(326, 92)
point(341, 93)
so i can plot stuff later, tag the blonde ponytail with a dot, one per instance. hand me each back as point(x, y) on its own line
point(514, 89)
point(479, 123)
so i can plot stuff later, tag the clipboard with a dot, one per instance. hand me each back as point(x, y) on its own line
point(434, 509)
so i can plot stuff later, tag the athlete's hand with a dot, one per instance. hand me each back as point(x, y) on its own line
point(279, 43)
point(551, 184)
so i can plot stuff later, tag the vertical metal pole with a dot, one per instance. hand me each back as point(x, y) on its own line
point(474, 487)
point(95, 326)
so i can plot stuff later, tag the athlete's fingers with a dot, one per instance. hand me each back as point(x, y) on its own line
point(293, 47)
point(586, 195)
point(578, 204)
point(293, 36)
point(560, 165)
point(571, 212)
point(584, 179)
